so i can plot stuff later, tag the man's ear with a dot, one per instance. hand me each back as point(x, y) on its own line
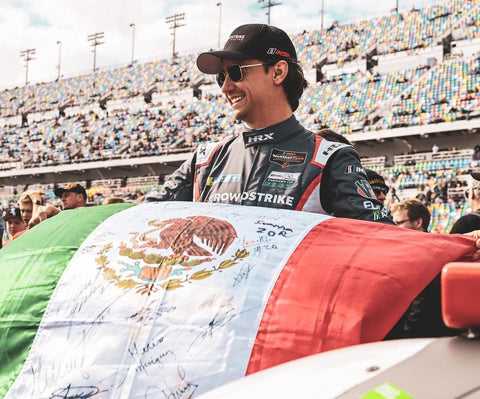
point(280, 71)
point(418, 223)
point(474, 194)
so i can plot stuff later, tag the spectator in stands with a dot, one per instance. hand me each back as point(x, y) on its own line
point(27, 201)
point(73, 196)
point(275, 162)
point(378, 185)
point(471, 221)
point(113, 200)
point(411, 214)
point(14, 223)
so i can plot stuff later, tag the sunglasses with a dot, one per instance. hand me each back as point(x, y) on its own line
point(235, 72)
point(378, 190)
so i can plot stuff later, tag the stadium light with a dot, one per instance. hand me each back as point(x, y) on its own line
point(219, 5)
point(322, 14)
point(268, 4)
point(132, 25)
point(174, 22)
point(59, 58)
point(94, 40)
point(27, 56)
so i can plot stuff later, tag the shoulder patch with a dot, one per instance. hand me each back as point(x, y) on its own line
point(326, 149)
point(205, 152)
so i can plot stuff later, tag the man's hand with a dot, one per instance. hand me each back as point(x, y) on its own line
point(42, 213)
point(474, 233)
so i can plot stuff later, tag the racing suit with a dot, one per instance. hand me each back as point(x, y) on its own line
point(282, 166)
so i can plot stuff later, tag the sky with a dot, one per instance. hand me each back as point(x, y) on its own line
point(58, 29)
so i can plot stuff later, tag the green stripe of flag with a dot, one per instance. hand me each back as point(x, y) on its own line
point(30, 267)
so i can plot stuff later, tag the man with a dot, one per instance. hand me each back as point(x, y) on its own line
point(26, 203)
point(470, 222)
point(275, 162)
point(14, 223)
point(411, 214)
point(73, 196)
point(378, 185)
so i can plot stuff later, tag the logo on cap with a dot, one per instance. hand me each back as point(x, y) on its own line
point(237, 37)
point(276, 51)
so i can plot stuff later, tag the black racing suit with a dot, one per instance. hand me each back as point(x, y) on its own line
point(282, 166)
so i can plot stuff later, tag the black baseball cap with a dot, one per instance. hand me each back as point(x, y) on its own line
point(12, 213)
point(376, 180)
point(256, 41)
point(73, 187)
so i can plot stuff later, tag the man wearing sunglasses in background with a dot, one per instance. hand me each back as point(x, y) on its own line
point(470, 222)
point(275, 162)
point(378, 185)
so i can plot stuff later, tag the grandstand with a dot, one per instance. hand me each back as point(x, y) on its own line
point(395, 86)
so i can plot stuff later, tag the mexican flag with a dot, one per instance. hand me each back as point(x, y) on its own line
point(174, 299)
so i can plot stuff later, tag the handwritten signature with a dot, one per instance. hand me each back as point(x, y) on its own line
point(80, 392)
point(183, 389)
point(45, 377)
point(242, 274)
point(220, 319)
point(152, 311)
point(151, 349)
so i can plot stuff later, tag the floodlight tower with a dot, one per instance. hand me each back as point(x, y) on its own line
point(132, 25)
point(322, 14)
point(27, 56)
point(94, 40)
point(59, 58)
point(268, 4)
point(219, 5)
point(175, 23)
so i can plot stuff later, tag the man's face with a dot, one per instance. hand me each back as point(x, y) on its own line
point(15, 225)
point(400, 217)
point(72, 200)
point(26, 210)
point(380, 193)
point(252, 97)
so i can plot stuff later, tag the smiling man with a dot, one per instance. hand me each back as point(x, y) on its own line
point(275, 162)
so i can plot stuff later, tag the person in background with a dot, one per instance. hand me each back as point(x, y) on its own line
point(28, 202)
point(411, 214)
point(113, 200)
point(471, 221)
point(14, 223)
point(73, 195)
point(378, 184)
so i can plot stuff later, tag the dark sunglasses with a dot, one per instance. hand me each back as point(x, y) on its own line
point(235, 73)
point(378, 190)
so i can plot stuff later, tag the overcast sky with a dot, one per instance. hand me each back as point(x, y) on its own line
point(40, 24)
